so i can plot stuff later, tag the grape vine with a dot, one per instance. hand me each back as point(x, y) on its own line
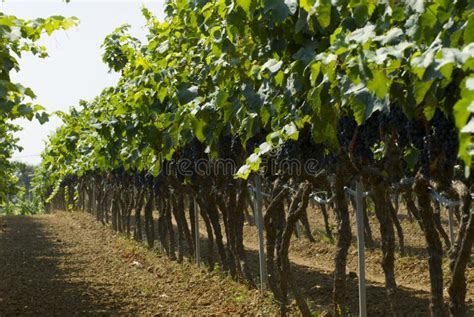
point(17, 37)
point(377, 91)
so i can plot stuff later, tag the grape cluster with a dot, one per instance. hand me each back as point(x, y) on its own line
point(396, 120)
point(138, 179)
point(68, 180)
point(416, 133)
point(369, 135)
point(446, 136)
point(345, 129)
point(194, 150)
point(427, 155)
point(236, 146)
point(289, 149)
point(440, 147)
point(308, 149)
point(119, 173)
point(303, 150)
point(225, 147)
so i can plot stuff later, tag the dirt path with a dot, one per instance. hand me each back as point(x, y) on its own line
point(67, 264)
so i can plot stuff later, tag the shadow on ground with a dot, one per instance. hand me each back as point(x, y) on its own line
point(317, 286)
point(34, 279)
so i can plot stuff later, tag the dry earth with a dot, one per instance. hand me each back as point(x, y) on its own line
point(313, 264)
point(68, 264)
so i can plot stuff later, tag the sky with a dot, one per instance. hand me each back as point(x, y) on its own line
point(74, 68)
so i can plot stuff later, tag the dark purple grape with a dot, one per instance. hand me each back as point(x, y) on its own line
point(345, 130)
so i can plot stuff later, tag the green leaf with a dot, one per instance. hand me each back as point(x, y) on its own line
point(24, 110)
point(420, 90)
point(364, 104)
point(362, 35)
point(69, 23)
point(324, 119)
point(156, 167)
point(279, 78)
point(428, 21)
point(410, 156)
point(245, 5)
point(281, 9)
point(469, 128)
point(38, 108)
point(162, 93)
point(221, 98)
point(429, 111)
point(230, 109)
point(42, 118)
point(315, 69)
point(469, 30)
point(305, 54)
point(380, 83)
point(272, 65)
point(187, 93)
point(361, 14)
point(265, 114)
point(248, 126)
point(8, 21)
point(30, 93)
point(416, 5)
point(307, 4)
point(323, 12)
point(290, 131)
point(421, 62)
point(243, 172)
point(461, 112)
point(392, 35)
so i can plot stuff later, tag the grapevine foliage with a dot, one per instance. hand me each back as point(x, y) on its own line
point(380, 90)
point(17, 37)
point(246, 68)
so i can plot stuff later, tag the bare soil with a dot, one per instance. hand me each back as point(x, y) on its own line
point(313, 264)
point(313, 268)
point(68, 264)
